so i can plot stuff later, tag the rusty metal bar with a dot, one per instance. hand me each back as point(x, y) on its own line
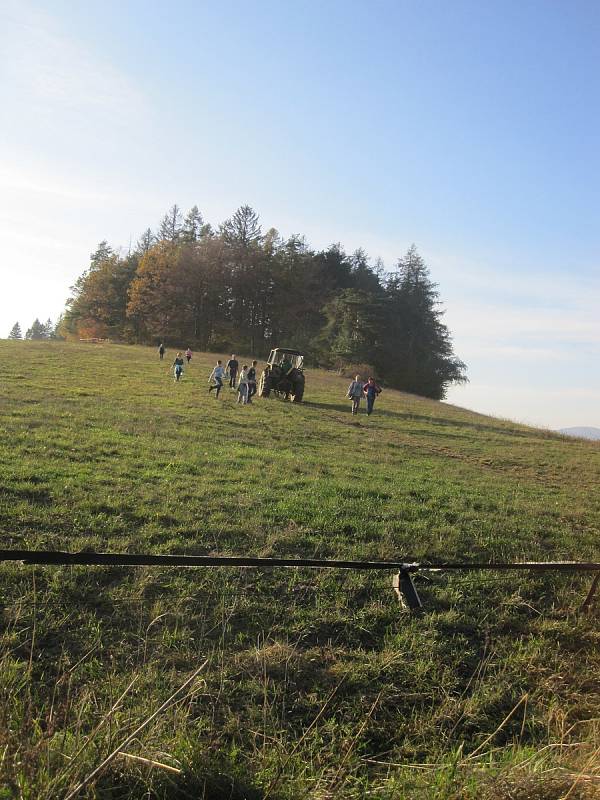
point(58, 557)
point(590, 595)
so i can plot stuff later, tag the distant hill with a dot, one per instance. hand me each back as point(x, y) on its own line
point(585, 433)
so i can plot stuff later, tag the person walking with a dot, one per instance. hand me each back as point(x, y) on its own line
point(354, 393)
point(243, 386)
point(178, 367)
point(371, 390)
point(161, 351)
point(217, 375)
point(232, 368)
point(188, 355)
point(251, 377)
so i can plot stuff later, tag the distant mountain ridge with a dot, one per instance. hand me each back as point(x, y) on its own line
point(586, 433)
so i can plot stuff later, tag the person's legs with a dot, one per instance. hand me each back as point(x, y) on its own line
point(355, 404)
point(232, 377)
point(370, 401)
point(219, 386)
point(251, 390)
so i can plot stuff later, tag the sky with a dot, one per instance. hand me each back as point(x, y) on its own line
point(470, 129)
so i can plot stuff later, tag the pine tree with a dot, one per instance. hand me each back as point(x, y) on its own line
point(37, 331)
point(15, 332)
point(192, 225)
point(243, 228)
point(145, 242)
point(418, 355)
point(102, 253)
point(170, 226)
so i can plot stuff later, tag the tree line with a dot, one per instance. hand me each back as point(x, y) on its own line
point(39, 330)
point(235, 288)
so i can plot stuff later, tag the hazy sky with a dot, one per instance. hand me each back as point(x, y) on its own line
point(469, 128)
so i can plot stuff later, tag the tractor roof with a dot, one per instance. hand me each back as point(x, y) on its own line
point(287, 350)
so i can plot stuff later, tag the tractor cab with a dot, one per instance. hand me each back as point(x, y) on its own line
point(282, 357)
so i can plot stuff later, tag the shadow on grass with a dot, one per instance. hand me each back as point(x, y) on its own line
point(204, 783)
point(441, 421)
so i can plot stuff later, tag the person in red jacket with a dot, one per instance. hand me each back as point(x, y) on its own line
point(371, 390)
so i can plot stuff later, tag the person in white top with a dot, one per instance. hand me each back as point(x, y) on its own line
point(217, 375)
point(243, 386)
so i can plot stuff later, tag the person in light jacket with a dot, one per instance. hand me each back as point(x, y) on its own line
point(217, 374)
point(243, 386)
point(355, 392)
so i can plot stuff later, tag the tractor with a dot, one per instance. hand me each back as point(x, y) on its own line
point(283, 374)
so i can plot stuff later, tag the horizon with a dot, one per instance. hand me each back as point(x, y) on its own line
point(476, 140)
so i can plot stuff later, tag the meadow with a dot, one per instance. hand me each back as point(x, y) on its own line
point(315, 683)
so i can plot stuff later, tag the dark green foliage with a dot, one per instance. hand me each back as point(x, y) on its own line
point(15, 332)
point(38, 330)
point(246, 291)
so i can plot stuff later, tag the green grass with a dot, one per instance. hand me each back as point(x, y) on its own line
point(317, 685)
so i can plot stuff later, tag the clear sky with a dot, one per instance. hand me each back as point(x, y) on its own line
point(469, 128)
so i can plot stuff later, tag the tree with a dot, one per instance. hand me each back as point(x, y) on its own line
point(37, 331)
point(418, 354)
point(353, 329)
point(15, 332)
point(243, 228)
point(102, 252)
point(171, 225)
point(192, 225)
point(97, 306)
point(145, 242)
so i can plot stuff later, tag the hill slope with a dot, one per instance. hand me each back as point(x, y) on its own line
point(316, 683)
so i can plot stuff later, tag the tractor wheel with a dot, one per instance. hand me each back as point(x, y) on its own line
point(264, 385)
point(298, 392)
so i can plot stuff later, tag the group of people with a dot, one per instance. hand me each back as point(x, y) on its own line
point(245, 383)
point(359, 389)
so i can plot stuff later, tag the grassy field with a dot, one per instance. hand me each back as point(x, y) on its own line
point(315, 683)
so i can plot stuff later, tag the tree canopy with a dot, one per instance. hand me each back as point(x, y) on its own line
point(240, 289)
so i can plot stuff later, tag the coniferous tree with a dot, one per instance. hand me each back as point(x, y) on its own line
point(353, 330)
point(192, 225)
point(418, 353)
point(37, 331)
point(15, 332)
point(171, 225)
point(145, 242)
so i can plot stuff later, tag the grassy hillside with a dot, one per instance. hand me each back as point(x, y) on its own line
point(316, 684)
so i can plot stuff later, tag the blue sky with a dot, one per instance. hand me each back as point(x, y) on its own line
point(468, 128)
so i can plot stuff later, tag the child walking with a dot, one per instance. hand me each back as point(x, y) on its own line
point(188, 355)
point(178, 367)
point(217, 374)
point(354, 393)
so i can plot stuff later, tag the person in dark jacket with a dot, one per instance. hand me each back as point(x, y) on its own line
point(161, 351)
point(178, 367)
point(371, 390)
point(251, 375)
point(232, 368)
